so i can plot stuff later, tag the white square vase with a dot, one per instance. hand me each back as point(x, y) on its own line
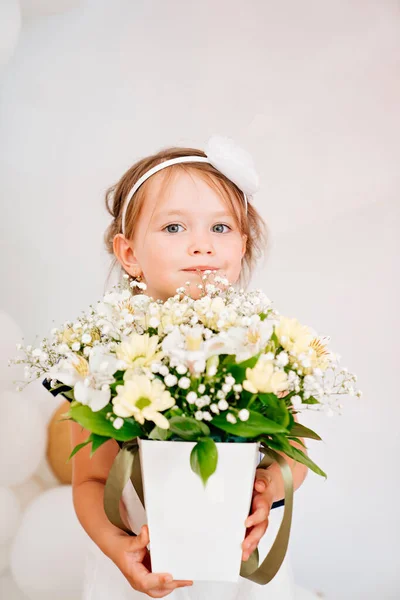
point(195, 532)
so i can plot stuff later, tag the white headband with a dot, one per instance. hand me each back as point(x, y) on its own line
point(221, 152)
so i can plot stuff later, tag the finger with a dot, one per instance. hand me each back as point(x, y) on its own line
point(253, 539)
point(261, 514)
point(167, 588)
point(262, 479)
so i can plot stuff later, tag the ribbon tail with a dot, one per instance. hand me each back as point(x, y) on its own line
point(264, 573)
point(118, 477)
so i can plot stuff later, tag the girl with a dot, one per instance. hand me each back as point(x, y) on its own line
point(175, 214)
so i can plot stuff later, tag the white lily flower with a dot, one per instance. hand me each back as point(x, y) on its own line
point(75, 370)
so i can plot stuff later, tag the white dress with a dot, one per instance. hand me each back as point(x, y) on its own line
point(103, 580)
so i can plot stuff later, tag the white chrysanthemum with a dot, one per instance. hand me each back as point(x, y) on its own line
point(143, 400)
point(264, 378)
point(139, 351)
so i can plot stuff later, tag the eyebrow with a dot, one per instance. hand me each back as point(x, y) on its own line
point(216, 214)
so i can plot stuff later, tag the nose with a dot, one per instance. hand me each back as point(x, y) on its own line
point(201, 245)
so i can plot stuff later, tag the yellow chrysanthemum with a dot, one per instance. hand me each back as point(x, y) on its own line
point(293, 336)
point(142, 398)
point(139, 350)
point(262, 378)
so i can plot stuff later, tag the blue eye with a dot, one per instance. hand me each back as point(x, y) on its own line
point(173, 228)
point(221, 228)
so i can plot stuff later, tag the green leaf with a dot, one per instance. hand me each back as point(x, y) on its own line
point(78, 447)
point(97, 441)
point(302, 431)
point(281, 443)
point(97, 423)
point(204, 459)
point(298, 440)
point(188, 428)
point(159, 434)
point(255, 425)
point(238, 370)
point(311, 400)
point(275, 409)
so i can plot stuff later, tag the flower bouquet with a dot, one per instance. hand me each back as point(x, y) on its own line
point(193, 391)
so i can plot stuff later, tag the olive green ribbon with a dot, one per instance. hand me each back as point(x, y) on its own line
point(127, 466)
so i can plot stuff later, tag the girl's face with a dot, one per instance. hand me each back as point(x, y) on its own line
point(180, 230)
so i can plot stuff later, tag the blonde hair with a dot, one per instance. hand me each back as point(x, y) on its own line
point(250, 223)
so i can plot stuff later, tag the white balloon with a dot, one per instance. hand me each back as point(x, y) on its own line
point(45, 475)
point(11, 335)
point(9, 589)
point(10, 26)
point(37, 8)
point(10, 514)
point(27, 491)
point(5, 551)
point(49, 551)
point(23, 438)
point(36, 393)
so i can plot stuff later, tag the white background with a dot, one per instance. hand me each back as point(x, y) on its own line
point(312, 90)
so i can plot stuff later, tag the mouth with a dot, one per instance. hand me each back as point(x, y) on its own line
point(201, 268)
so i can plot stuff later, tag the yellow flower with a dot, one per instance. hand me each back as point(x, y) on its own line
point(262, 378)
point(142, 398)
point(293, 336)
point(139, 350)
point(318, 356)
point(70, 335)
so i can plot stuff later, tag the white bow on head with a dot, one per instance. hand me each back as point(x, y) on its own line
point(234, 162)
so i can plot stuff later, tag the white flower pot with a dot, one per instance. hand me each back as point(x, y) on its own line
point(195, 532)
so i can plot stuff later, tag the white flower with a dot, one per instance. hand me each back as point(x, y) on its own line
point(191, 397)
point(143, 400)
point(184, 383)
point(293, 336)
point(139, 350)
point(231, 418)
point(198, 415)
point(223, 405)
point(118, 422)
point(170, 380)
point(264, 378)
point(243, 414)
point(99, 370)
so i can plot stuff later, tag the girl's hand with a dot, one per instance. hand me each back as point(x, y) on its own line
point(132, 557)
point(257, 521)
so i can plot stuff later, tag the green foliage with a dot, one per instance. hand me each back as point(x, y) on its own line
point(255, 425)
point(301, 431)
point(96, 422)
point(281, 443)
point(238, 370)
point(188, 428)
point(97, 441)
point(275, 408)
point(157, 433)
point(204, 459)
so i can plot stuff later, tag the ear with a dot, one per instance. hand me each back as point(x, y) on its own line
point(124, 252)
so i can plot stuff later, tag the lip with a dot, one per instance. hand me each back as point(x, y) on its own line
point(200, 268)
